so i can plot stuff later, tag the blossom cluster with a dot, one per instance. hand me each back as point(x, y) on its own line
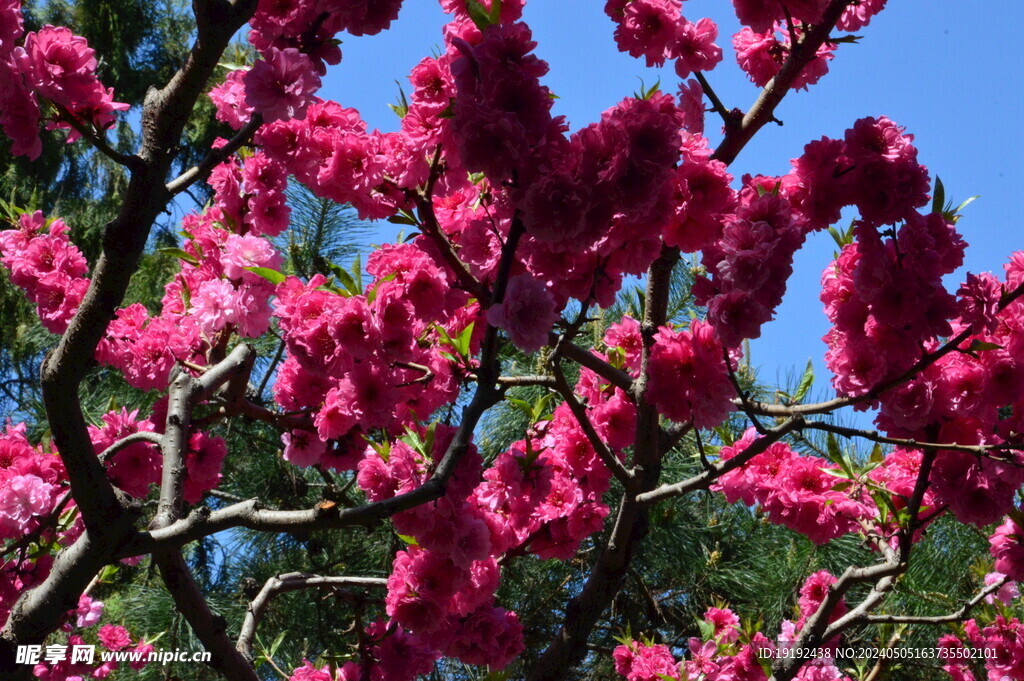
point(354, 359)
point(47, 266)
point(726, 652)
point(657, 30)
point(689, 378)
point(135, 467)
point(112, 637)
point(749, 265)
point(794, 490)
point(766, 40)
point(216, 293)
point(55, 66)
point(282, 84)
point(1002, 642)
point(888, 305)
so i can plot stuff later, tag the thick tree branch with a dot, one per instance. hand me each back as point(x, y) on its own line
point(209, 627)
point(582, 612)
point(165, 113)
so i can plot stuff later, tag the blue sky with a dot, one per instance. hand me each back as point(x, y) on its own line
point(941, 68)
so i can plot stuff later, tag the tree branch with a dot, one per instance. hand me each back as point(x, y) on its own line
point(292, 581)
point(958, 616)
point(704, 479)
point(215, 157)
point(580, 412)
point(585, 358)
point(128, 441)
point(923, 363)
point(164, 115)
point(583, 611)
point(209, 627)
point(763, 110)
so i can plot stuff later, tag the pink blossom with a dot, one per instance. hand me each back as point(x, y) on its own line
point(114, 637)
point(725, 622)
point(640, 662)
point(695, 47)
point(526, 313)
point(230, 102)
point(649, 28)
point(88, 613)
point(490, 636)
point(281, 85)
point(303, 448)
point(1008, 550)
point(978, 301)
point(1007, 592)
point(21, 498)
point(689, 380)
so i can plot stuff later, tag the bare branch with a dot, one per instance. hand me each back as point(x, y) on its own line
point(585, 358)
point(128, 441)
point(580, 412)
point(98, 141)
point(873, 436)
point(958, 616)
point(763, 110)
point(209, 627)
point(292, 581)
point(215, 157)
point(704, 479)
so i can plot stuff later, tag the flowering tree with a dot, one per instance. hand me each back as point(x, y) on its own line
point(522, 230)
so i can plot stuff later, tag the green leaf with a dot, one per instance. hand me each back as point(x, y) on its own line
point(523, 406)
point(276, 644)
point(982, 346)
point(357, 270)
point(109, 572)
point(179, 253)
point(480, 16)
point(346, 280)
point(939, 197)
point(464, 340)
point(648, 92)
point(884, 501)
point(805, 382)
point(966, 203)
point(271, 275)
point(838, 457)
point(402, 108)
point(402, 220)
point(877, 456)
point(372, 295)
